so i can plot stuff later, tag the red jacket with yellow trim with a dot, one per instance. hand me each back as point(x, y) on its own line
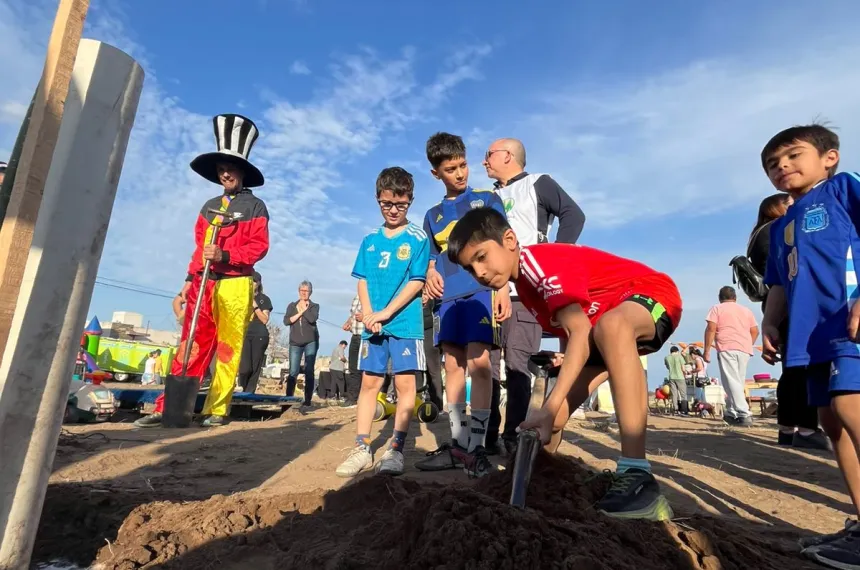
point(244, 242)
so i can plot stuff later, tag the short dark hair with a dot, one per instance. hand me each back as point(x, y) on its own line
point(342, 343)
point(397, 180)
point(478, 225)
point(819, 136)
point(444, 146)
point(728, 294)
point(674, 349)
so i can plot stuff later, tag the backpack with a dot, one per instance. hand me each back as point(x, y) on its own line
point(746, 277)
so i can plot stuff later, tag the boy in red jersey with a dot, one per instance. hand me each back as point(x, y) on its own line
point(607, 311)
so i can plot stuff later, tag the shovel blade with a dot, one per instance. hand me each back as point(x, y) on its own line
point(180, 396)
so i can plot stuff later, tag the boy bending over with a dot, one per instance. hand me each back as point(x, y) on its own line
point(390, 268)
point(607, 311)
point(813, 277)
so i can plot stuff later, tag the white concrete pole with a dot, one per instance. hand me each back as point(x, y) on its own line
point(58, 282)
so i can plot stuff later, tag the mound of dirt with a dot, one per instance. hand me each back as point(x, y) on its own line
point(386, 523)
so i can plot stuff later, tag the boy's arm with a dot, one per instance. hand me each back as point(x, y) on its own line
point(774, 314)
point(364, 297)
point(577, 327)
point(409, 292)
point(434, 284)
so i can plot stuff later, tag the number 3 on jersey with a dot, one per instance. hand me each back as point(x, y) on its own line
point(385, 257)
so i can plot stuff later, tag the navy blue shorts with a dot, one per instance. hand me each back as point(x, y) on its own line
point(405, 355)
point(828, 379)
point(467, 319)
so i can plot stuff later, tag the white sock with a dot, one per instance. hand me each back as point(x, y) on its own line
point(805, 432)
point(786, 429)
point(459, 427)
point(478, 429)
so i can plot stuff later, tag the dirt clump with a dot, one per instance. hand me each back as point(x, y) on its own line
point(384, 523)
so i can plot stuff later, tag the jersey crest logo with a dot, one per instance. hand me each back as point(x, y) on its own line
point(815, 219)
point(476, 204)
point(403, 252)
point(509, 205)
point(788, 234)
point(548, 287)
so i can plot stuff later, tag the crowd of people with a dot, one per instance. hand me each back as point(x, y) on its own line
point(479, 276)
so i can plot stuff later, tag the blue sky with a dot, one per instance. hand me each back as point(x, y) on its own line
point(651, 115)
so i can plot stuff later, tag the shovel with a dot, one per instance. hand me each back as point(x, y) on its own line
point(528, 441)
point(180, 392)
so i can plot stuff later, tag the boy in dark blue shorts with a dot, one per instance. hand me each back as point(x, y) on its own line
point(813, 277)
point(391, 267)
point(466, 324)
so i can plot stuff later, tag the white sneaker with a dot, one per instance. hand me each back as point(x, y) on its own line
point(357, 461)
point(391, 463)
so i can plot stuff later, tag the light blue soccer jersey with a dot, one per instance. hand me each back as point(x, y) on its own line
point(814, 251)
point(388, 264)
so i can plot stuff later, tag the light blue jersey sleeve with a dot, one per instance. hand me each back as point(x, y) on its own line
point(359, 270)
point(418, 268)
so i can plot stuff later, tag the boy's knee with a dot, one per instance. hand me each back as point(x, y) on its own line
point(371, 382)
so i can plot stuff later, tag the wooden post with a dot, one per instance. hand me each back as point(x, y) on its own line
point(16, 233)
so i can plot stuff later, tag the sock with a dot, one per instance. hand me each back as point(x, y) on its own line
point(625, 463)
point(457, 421)
point(787, 429)
point(363, 440)
point(805, 432)
point(398, 440)
point(478, 429)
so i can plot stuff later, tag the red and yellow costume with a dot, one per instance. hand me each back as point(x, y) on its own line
point(228, 296)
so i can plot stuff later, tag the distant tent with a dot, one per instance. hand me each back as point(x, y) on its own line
point(94, 328)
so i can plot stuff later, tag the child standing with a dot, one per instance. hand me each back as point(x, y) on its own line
point(607, 311)
point(468, 314)
point(813, 279)
point(391, 267)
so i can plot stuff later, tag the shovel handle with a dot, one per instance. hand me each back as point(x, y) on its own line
point(192, 329)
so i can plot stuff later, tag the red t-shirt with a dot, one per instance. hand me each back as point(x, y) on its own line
point(555, 275)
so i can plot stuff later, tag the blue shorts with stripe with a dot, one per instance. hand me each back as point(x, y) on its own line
point(466, 320)
point(383, 354)
point(829, 379)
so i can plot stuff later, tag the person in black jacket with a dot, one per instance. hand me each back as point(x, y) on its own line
point(797, 420)
point(302, 318)
point(256, 339)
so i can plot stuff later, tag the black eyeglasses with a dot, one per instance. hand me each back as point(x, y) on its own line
point(401, 206)
point(490, 152)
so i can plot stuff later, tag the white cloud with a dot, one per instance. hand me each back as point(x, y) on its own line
point(299, 68)
point(686, 138)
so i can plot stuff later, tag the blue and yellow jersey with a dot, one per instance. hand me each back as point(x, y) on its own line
point(438, 223)
point(813, 253)
point(388, 264)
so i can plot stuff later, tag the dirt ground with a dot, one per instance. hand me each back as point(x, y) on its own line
point(263, 494)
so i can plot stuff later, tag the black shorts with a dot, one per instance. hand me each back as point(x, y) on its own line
point(663, 329)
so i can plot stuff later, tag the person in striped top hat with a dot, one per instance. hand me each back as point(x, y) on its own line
point(228, 295)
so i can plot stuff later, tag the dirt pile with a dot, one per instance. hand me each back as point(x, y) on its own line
point(386, 523)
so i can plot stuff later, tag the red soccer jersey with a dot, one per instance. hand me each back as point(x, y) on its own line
point(555, 275)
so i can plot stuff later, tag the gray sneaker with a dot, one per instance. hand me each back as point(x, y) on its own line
point(850, 524)
point(150, 421)
point(448, 456)
point(842, 553)
point(391, 463)
point(357, 461)
point(740, 421)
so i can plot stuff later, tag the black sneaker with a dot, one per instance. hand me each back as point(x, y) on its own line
point(477, 464)
point(842, 553)
point(742, 421)
point(850, 524)
point(150, 421)
point(815, 440)
point(635, 494)
point(448, 456)
point(785, 438)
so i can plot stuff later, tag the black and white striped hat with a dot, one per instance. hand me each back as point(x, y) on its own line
point(3, 166)
point(235, 135)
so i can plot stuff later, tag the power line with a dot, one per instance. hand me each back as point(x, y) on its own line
point(142, 292)
point(137, 285)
